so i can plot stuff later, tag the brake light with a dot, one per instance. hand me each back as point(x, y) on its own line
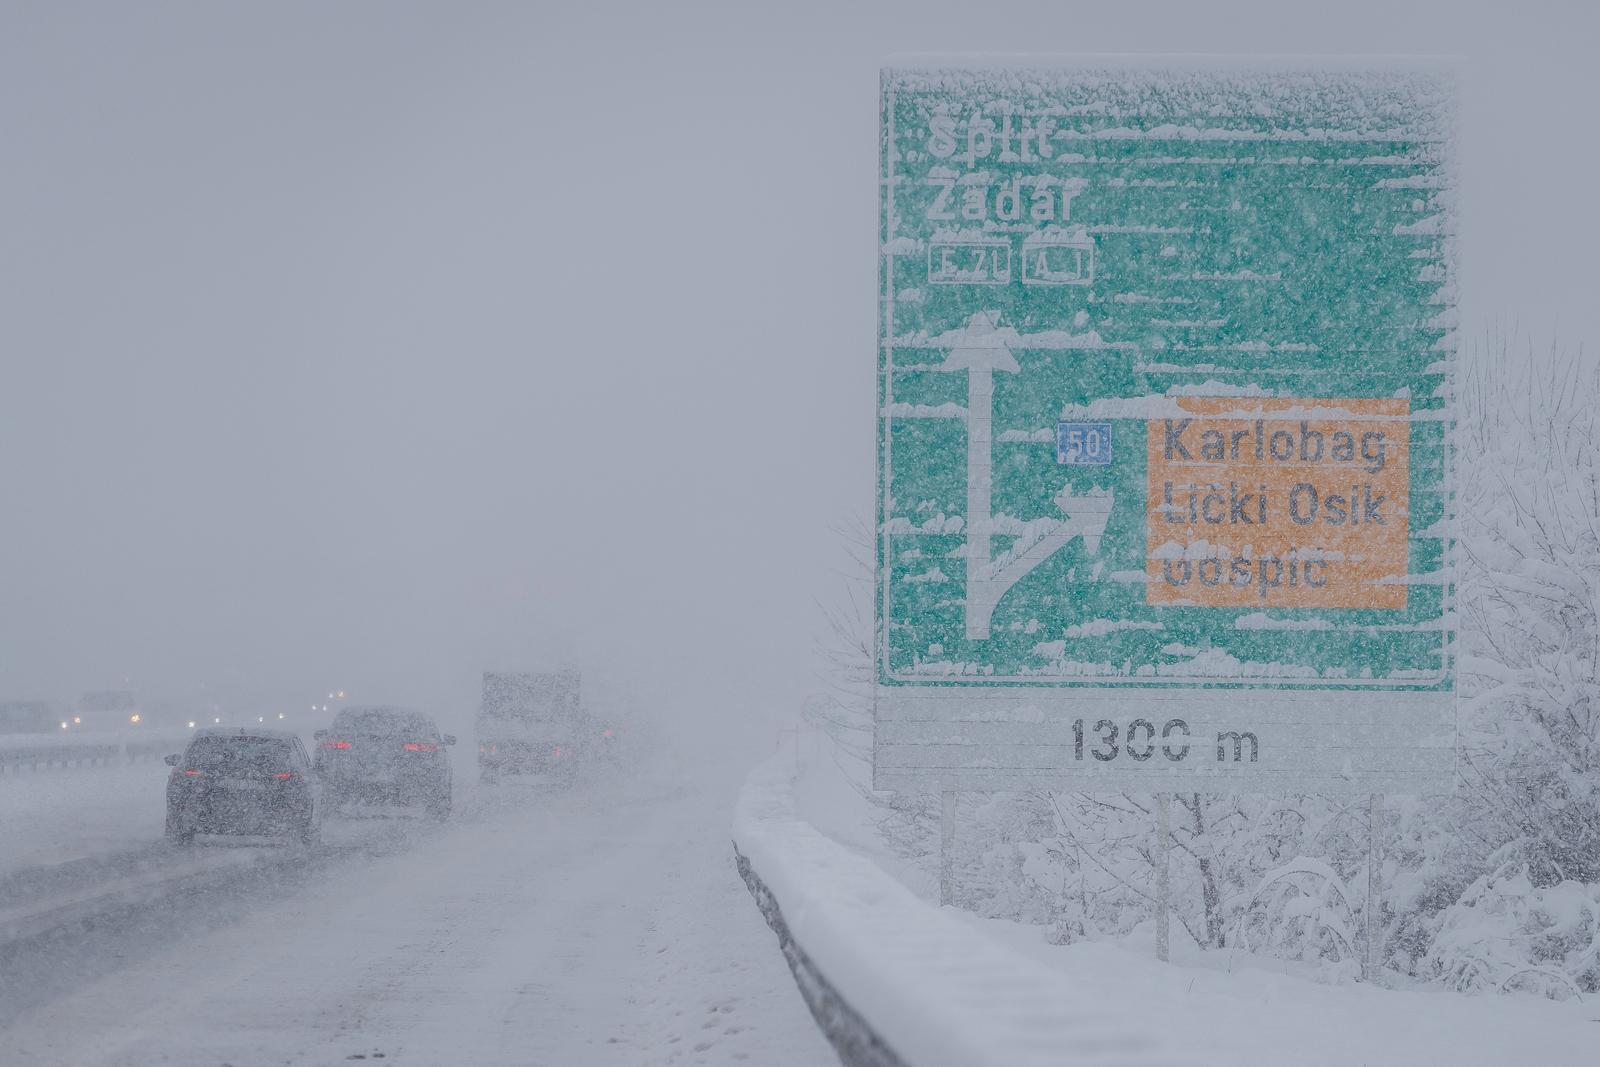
point(335, 744)
point(558, 750)
point(420, 746)
point(286, 776)
point(193, 773)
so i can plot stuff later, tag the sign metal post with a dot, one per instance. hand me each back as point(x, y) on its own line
point(1163, 859)
point(1371, 917)
point(947, 843)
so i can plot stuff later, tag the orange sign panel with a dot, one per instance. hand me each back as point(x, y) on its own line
point(1279, 503)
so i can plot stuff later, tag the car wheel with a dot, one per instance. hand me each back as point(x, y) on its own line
point(176, 833)
point(310, 834)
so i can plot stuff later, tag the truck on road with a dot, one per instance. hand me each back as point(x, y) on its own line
point(533, 723)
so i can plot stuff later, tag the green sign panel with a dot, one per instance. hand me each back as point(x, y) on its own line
point(1165, 367)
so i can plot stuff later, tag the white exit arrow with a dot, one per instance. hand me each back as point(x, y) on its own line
point(980, 350)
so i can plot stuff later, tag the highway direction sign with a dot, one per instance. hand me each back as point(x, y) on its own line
point(1166, 362)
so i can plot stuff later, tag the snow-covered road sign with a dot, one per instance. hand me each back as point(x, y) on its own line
point(1165, 408)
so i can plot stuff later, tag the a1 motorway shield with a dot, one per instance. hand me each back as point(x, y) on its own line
point(1165, 367)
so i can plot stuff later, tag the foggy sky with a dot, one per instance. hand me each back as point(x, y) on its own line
point(371, 344)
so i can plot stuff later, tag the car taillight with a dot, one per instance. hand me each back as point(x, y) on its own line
point(605, 733)
point(420, 746)
point(335, 744)
point(286, 776)
point(193, 773)
point(558, 750)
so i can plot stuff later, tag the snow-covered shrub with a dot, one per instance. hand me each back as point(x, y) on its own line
point(994, 850)
point(842, 707)
point(1303, 910)
point(1096, 857)
point(1507, 932)
point(1428, 861)
point(1530, 535)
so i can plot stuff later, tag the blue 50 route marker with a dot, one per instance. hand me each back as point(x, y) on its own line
point(1083, 443)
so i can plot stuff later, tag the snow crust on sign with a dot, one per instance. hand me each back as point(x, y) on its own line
point(938, 524)
point(926, 411)
point(1101, 627)
point(1037, 437)
point(939, 993)
point(1169, 406)
point(1010, 338)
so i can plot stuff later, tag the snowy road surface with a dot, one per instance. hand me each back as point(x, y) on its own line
point(73, 813)
point(602, 926)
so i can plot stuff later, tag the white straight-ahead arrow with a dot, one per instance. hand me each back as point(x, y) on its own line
point(980, 350)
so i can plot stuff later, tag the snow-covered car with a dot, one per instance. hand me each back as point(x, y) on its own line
point(257, 782)
point(385, 755)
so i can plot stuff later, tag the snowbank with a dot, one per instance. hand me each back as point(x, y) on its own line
point(81, 813)
point(893, 979)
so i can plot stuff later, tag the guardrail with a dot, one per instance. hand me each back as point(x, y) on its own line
point(34, 752)
point(896, 981)
point(852, 1037)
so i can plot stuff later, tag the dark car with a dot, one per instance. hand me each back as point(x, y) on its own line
point(257, 782)
point(388, 756)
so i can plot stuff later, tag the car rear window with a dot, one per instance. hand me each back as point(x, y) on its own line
point(266, 755)
point(384, 723)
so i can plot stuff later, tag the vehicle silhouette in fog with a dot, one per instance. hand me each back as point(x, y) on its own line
point(533, 724)
point(257, 782)
point(385, 755)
